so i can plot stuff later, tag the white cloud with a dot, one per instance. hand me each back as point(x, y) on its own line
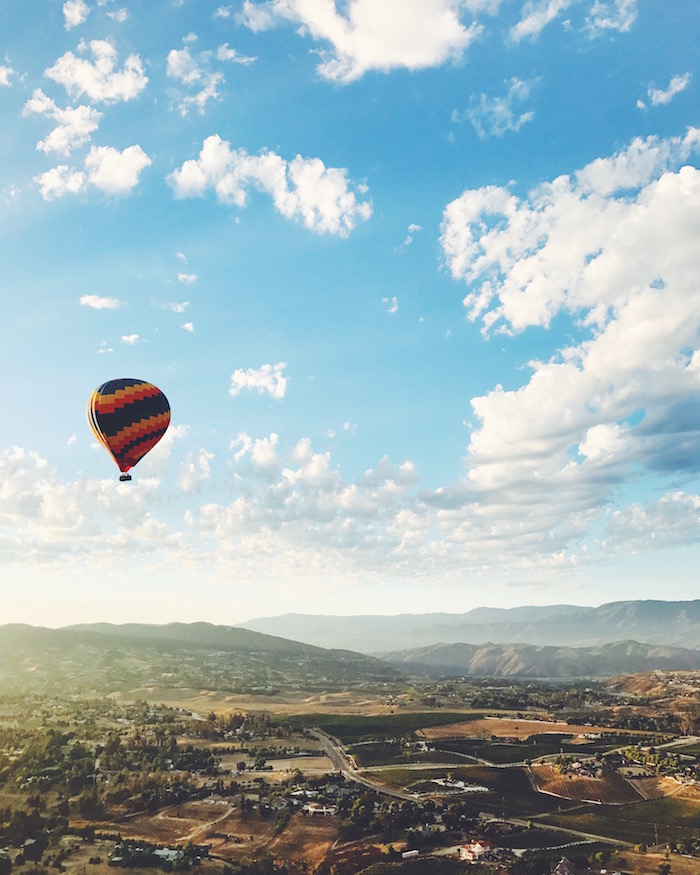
point(73, 439)
point(97, 302)
point(105, 349)
point(120, 16)
point(615, 246)
point(116, 172)
point(187, 279)
point(513, 251)
point(179, 307)
point(413, 229)
point(108, 169)
point(536, 15)
point(195, 471)
point(130, 339)
point(606, 16)
point(374, 34)
point(99, 80)
point(303, 188)
point(224, 12)
point(74, 124)
point(393, 304)
point(672, 521)
point(183, 67)
point(660, 97)
point(266, 379)
point(493, 116)
point(59, 181)
point(75, 12)
point(224, 53)
point(5, 73)
point(189, 327)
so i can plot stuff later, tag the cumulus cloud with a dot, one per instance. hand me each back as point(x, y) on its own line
point(191, 74)
point(130, 339)
point(115, 172)
point(303, 189)
point(179, 307)
point(48, 516)
point(266, 379)
point(660, 97)
point(100, 80)
point(75, 12)
point(195, 471)
point(187, 279)
point(493, 116)
point(59, 181)
point(74, 125)
point(105, 168)
point(672, 521)
point(120, 15)
point(188, 327)
point(5, 73)
point(369, 35)
point(97, 302)
point(613, 245)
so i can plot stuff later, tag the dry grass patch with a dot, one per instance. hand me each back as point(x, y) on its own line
point(304, 838)
point(655, 787)
point(508, 727)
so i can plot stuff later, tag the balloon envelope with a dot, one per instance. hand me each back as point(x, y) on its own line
point(128, 417)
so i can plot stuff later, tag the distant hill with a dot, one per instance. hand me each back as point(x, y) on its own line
point(102, 658)
point(676, 624)
point(530, 661)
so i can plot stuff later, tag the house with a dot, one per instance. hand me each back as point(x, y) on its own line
point(564, 867)
point(318, 809)
point(475, 850)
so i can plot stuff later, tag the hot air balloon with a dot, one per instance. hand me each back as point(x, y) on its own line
point(128, 417)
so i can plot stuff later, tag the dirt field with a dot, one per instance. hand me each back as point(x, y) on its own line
point(281, 769)
point(610, 789)
point(506, 727)
point(305, 838)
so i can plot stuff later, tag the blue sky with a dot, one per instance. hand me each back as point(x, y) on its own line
point(418, 277)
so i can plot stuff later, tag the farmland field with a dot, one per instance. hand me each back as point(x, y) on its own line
point(509, 791)
point(609, 789)
point(510, 727)
point(356, 727)
point(675, 817)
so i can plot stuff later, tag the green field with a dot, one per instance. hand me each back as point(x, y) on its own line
point(501, 753)
point(381, 753)
point(356, 727)
point(537, 839)
point(665, 820)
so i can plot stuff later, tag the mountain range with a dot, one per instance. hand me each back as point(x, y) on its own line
point(547, 662)
point(674, 624)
